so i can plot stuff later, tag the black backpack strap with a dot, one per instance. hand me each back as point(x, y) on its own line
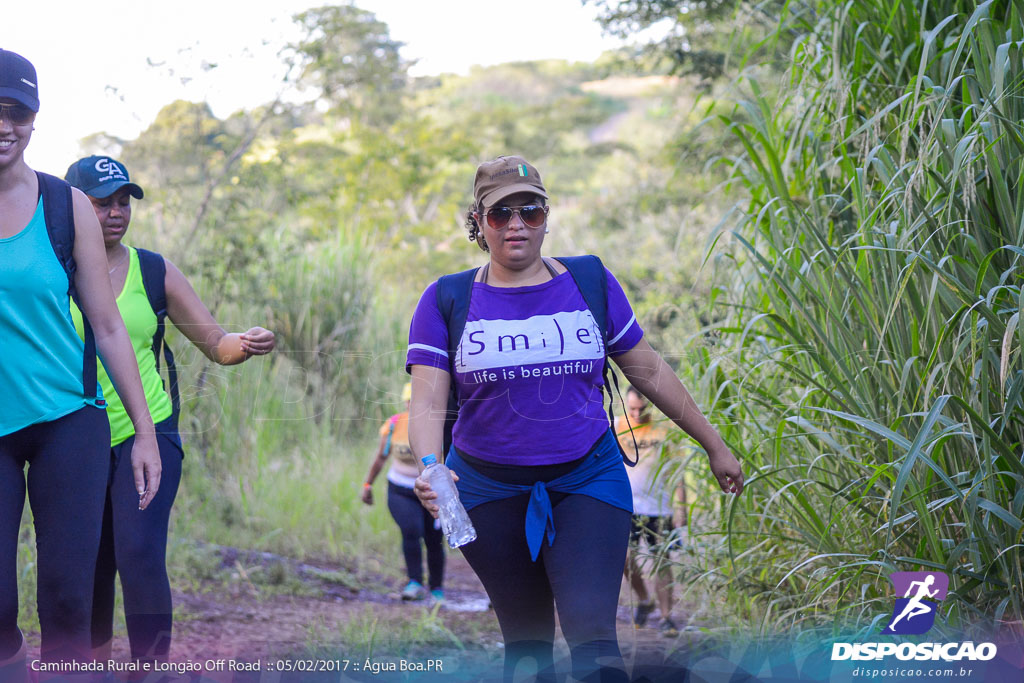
point(154, 272)
point(453, 294)
point(589, 274)
point(59, 213)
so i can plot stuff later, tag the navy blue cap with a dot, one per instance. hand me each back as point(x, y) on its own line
point(100, 177)
point(18, 79)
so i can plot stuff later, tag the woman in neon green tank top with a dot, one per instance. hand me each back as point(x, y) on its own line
point(134, 545)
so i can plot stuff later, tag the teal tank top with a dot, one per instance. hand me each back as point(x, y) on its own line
point(40, 351)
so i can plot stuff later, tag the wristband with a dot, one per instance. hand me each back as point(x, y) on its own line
point(367, 485)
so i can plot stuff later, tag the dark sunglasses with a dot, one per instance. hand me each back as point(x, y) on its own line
point(533, 215)
point(17, 114)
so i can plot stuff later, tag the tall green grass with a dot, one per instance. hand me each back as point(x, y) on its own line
point(280, 445)
point(869, 372)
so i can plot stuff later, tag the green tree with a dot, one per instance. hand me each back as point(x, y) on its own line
point(697, 36)
point(349, 56)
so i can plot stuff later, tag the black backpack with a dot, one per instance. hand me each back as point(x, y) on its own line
point(154, 270)
point(454, 292)
point(60, 227)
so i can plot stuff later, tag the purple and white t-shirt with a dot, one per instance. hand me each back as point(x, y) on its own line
point(528, 368)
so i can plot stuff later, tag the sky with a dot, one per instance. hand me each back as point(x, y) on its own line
point(111, 69)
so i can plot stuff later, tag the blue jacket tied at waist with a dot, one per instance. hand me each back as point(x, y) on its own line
point(601, 475)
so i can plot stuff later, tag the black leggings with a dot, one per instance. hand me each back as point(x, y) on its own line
point(67, 475)
point(134, 545)
point(581, 573)
point(416, 523)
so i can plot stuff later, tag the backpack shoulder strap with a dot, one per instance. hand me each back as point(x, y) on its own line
point(589, 274)
point(391, 432)
point(60, 221)
point(154, 270)
point(59, 214)
point(154, 273)
point(453, 294)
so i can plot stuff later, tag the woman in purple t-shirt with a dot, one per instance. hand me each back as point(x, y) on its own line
point(532, 445)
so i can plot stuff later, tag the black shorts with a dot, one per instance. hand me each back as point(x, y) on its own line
point(655, 530)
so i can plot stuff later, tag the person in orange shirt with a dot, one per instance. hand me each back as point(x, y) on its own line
point(412, 518)
point(654, 515)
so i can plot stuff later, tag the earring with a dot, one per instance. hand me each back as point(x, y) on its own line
point(546, 231)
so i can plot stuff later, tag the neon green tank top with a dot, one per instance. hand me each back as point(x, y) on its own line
point(140, 320)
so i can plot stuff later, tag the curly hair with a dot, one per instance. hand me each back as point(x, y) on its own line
point(473, 228)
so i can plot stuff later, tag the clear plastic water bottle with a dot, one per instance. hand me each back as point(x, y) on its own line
point(455, 522)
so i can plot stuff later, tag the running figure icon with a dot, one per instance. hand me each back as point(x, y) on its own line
point(915, 607)
point(914, 613)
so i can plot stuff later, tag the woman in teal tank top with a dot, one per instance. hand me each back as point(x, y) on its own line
point(49, 419)
point(134, 545)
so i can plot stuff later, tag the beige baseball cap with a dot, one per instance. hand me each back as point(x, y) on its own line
point(501, 177)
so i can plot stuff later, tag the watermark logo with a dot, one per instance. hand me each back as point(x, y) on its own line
point(914, 613)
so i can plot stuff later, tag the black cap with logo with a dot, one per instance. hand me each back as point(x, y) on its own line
point(18, 79)
point(100, 177)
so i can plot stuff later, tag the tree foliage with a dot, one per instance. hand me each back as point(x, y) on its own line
point(698, 37)
point(349, 57)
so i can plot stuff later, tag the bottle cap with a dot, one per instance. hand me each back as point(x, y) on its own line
point(429, 460)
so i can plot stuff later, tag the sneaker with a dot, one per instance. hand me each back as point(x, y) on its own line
point(642, 611)
point(668, 628)
point(437, 595)
point(413, 591)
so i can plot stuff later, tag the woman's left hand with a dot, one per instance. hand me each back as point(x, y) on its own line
point(726, 469)
point(146, 467)
point(257, 341)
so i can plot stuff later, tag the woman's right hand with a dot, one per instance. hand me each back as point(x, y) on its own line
point(426, 495)
point(367, 496)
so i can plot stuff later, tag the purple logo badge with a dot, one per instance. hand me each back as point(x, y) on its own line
point(921, 593)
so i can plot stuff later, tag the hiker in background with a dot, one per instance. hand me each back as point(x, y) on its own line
point(525, 340)
point(412, 519)
point(654, 514)
point(148, 287)
point(51, 410)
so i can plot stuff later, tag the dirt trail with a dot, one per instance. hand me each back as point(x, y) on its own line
point(252, 626)
point(328, 614)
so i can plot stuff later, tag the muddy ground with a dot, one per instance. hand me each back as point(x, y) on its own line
point(300, 622)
